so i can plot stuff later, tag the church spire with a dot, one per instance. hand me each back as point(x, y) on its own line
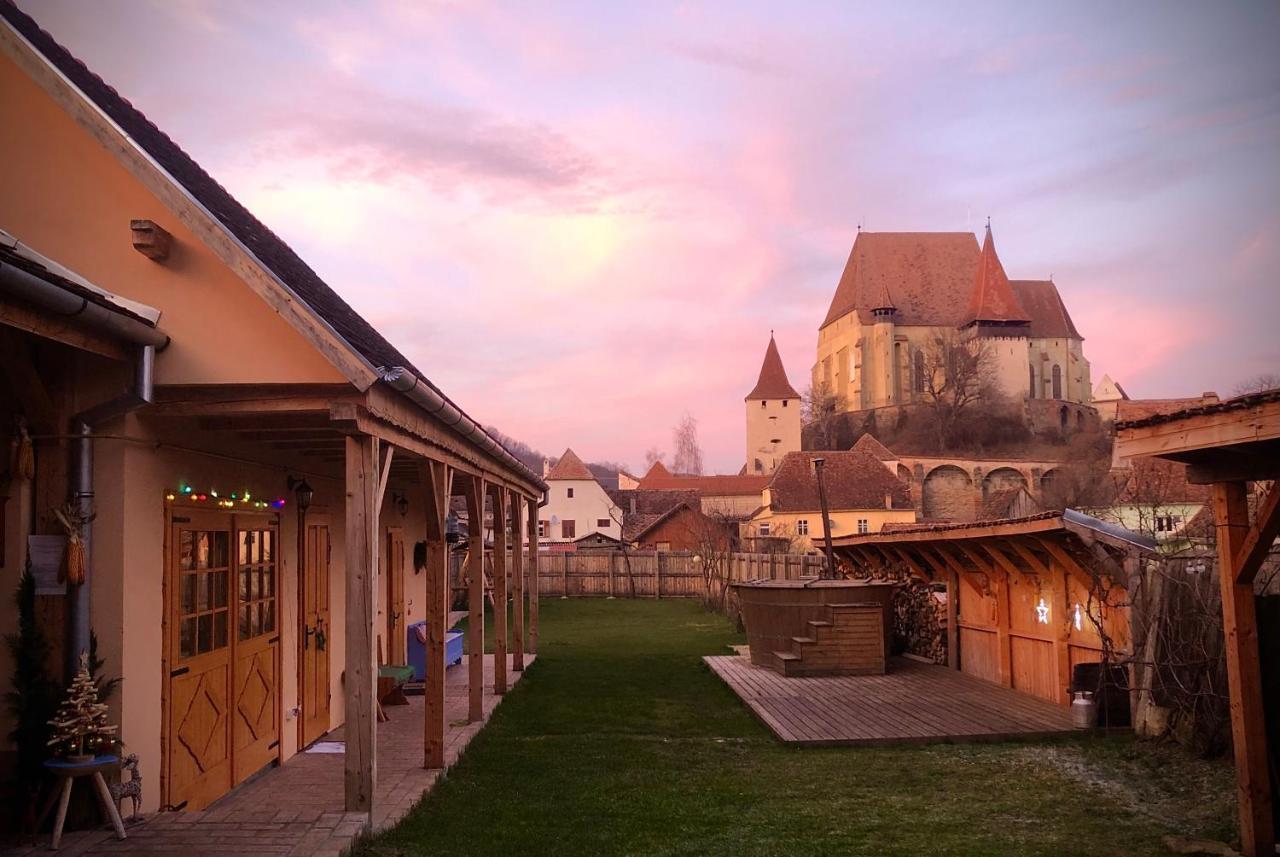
point(772, 383)
point(992, 299)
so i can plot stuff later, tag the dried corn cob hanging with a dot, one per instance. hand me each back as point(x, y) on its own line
point(73, 521)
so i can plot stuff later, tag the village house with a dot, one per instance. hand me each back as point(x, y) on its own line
point(862, 497)
point(901, 291)
point(249, 463)
point(577, 505)
point(725, 497)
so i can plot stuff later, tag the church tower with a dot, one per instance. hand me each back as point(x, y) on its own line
point(773, 415)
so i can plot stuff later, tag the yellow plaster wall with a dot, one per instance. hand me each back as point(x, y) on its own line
point(844, 522)
point(65, 196)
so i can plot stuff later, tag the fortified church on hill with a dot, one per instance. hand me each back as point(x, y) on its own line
point(900, 291)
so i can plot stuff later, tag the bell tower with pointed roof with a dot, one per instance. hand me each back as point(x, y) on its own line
point(992, 302)
point(773, 415)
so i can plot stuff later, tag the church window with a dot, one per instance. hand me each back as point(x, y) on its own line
point(802, 527)
point(918, 372)
point(1031, 371)
point(1057, 381)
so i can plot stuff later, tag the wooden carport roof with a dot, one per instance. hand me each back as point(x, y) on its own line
point(1229, 444)
point(929, 550)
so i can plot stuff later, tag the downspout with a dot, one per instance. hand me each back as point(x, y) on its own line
point(80, 479)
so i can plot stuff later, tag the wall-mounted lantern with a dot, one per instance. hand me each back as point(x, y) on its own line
point(304, 492)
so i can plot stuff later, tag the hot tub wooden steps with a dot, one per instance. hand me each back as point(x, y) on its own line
point(851, 642)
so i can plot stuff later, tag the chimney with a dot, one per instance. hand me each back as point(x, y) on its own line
point(633, 504)
point(546, 467)
point(888, 500)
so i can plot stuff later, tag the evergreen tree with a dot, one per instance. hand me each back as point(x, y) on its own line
point(33, 693)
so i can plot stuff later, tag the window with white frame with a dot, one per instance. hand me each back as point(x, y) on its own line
point(863, 526)
point(1168, 523)
point(764, 528)
point(802, 527)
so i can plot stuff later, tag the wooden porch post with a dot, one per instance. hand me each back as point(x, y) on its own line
point(437, 479)
point(1240, 625)
point(533, 576)
point(360, 758)
point(517, 581)
point(953, 619)
point(499, 589)
point(474, 490)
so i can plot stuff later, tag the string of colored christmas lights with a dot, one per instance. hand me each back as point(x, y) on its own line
point(230, 501)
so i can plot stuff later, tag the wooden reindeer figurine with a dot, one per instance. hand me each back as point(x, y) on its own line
point(130, 788)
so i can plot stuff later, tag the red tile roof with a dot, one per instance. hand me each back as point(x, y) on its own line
point(1044, 307)
point(877, 450)
point(708, 486)
point(854, 480)
point(657, 470)
point(927, 276)
point(773, 383)
point(1195, 407)
point(570, 466)
point(992, 299)
point(1132, 410)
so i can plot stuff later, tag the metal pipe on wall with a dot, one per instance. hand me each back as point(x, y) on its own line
point(80, 478)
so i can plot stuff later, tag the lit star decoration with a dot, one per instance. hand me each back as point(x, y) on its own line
point(1042, 613)
point(1079, 618)
point(241, 499)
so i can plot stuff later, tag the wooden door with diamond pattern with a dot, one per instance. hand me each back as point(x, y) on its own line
point(222, 711)
point(256, 677)
point(198, 723)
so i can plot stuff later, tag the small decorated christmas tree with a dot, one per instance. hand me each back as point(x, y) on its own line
point(80, 728)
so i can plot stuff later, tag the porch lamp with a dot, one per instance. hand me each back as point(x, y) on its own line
point(304, 491)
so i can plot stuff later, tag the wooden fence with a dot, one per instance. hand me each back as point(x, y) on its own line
point(656, 574)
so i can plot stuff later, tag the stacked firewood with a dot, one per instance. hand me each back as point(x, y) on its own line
point(919, 614)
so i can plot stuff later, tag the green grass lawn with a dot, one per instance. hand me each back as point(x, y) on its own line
point(619, 741)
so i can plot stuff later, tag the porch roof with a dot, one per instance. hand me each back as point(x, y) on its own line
point(377, 359)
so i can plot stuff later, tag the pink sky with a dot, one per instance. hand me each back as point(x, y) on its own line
point(589, 218)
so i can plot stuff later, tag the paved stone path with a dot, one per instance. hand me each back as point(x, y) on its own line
point(297, 809)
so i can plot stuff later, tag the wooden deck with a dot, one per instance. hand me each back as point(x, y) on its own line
point(915, 703)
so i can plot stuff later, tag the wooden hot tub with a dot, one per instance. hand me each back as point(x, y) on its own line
point(818, 627)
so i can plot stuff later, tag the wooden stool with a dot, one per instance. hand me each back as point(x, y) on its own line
point(67, 773)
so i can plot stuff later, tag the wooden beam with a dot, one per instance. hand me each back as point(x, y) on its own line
point(953, 619)
point(535, 582)
point(1244, 675)
point(385, 470)
point(517, 581)
point(60, 329)
point(1248, 462)
point(437, 481)
point(500, 571)
point(473, 489)
point(910, 563)
point(1260, 538)
point(999, 557)
point(1201, 431)
point(360, 758)
point(1034, 562)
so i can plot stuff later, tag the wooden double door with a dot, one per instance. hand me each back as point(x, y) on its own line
point(222, 686)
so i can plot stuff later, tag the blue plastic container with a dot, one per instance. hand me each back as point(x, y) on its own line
point(417, 650)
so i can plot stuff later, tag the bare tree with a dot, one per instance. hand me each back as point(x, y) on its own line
point(688, 454)
point(711, 534)
point(1258, 384)
point(959, 376)
point(652, 456)
point(820, 411)
point(619, 515)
